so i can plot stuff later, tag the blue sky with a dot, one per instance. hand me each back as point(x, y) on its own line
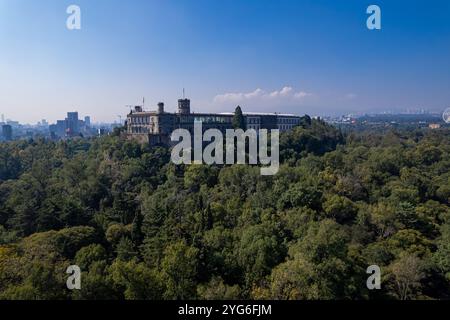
point(314, 57)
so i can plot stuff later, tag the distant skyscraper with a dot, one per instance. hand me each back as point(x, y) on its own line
point(7, 132)
point(87, 121)
point(61, 126)
point(3, 118)
point(73, 123)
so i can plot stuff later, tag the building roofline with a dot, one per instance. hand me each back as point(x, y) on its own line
point(263, 114)
point(217, 114)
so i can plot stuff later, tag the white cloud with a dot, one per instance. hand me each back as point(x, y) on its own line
point(302, 94)
point(284, 94)
point(257, 93)
point(350, 96)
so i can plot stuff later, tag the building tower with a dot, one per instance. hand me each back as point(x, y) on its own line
point(72, 123)
point(160, 107)
point(7, 132)
point(184, 106)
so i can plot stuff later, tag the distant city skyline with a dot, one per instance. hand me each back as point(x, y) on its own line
point(291, 56)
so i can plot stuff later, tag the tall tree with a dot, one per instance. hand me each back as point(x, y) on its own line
point(238, 119)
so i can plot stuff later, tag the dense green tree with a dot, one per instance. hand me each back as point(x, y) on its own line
point(141, 227)
point(216, 289)
point(238, 119)
point(179, 270)
point(442, 254)
point(135, 280)
point(318, 267)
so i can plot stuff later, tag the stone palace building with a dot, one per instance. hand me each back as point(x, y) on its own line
point(155, 127)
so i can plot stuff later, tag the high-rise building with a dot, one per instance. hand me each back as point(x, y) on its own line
point(3, 118)
point(7, 132)
point(61, 126)
point(73, 126)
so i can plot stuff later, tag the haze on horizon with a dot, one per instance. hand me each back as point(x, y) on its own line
point(296, 56)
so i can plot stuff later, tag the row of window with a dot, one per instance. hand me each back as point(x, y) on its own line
point(144, 129)
point(141, 120)
point(210, 119)
point(253, 120)
point(257, 120)
point(284, 127)
point(140, 130)
point(288, 120)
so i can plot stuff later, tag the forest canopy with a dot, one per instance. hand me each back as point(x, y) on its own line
point(140, 227)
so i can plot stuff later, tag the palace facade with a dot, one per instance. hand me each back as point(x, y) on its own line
point(156, 127)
